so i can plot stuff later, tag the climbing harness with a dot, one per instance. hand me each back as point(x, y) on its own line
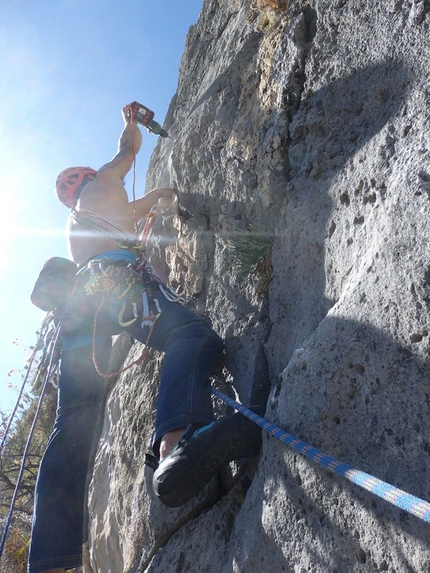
point(414, 505)
point(124, 280)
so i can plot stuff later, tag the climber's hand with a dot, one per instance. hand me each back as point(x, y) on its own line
point(127, 113)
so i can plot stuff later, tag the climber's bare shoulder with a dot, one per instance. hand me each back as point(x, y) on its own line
point(106, 198)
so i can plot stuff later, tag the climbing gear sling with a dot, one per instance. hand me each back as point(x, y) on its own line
point(96, 223)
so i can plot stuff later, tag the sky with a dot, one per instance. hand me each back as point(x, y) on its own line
point(67, 67)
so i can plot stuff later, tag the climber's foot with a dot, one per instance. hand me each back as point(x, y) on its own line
point(170, 441)
point(200, 454)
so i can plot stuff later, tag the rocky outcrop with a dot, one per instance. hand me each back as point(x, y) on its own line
point(309, 122)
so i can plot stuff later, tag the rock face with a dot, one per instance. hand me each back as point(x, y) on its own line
point(311, 123)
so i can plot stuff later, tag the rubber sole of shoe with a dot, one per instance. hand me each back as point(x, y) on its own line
point(197, 459)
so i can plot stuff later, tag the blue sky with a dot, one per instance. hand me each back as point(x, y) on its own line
point(67, 68)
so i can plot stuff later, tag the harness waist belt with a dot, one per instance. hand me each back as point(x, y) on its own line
point(114, 256)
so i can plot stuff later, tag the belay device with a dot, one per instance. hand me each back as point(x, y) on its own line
point(145, 117)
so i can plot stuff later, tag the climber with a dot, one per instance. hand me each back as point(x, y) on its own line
point(116, 290)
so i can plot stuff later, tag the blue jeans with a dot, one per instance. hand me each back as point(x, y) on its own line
point(191, 348)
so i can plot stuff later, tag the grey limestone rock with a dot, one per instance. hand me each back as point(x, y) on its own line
point(312, 124)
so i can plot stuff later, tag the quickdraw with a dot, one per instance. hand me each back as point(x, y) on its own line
point(121, 314)
point(147, 228)
point(136, 362)
point(123, 281)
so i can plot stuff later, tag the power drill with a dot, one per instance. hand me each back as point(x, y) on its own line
point(145, 117)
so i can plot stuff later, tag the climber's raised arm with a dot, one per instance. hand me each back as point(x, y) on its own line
point(129, 145)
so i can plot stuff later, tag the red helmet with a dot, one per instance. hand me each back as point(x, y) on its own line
point(69, 182)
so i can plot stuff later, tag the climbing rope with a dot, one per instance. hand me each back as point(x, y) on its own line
point(134, 171)
point(150, 216)
point(414, 505)
point(53, 344)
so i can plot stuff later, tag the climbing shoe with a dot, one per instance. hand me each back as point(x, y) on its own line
point(200, 454)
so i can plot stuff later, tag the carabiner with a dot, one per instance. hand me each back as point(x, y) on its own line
point(121, 314)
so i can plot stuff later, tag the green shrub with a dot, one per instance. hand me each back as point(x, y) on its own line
point(251, 251)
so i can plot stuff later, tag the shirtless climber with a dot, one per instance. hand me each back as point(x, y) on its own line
point(116, 290)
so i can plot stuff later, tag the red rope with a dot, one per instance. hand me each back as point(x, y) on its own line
point(150, 216)
point(147, 229)
point(134, 171)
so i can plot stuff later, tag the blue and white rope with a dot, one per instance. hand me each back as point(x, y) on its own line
point(414, 505)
